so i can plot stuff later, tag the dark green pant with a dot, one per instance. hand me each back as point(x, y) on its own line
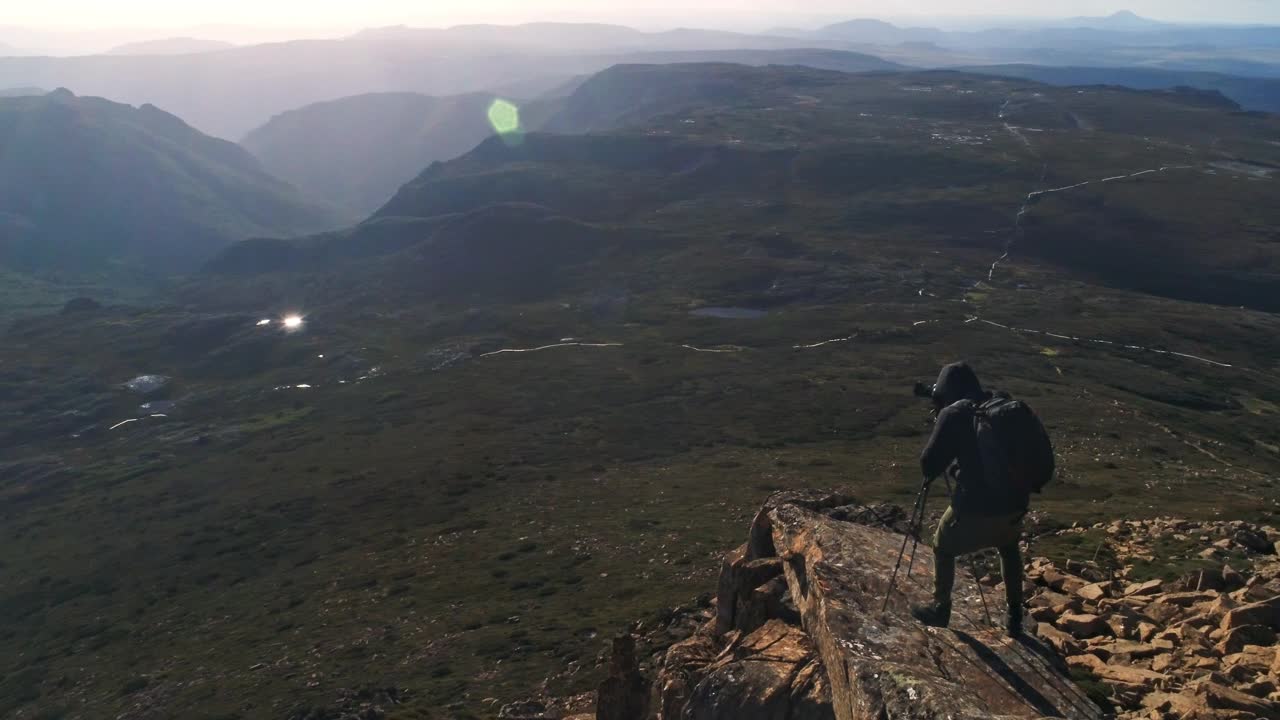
point(962, 533)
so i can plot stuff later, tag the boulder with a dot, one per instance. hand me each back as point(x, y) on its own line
point(1053, 600)
point(1177, 705)
point(1256, 592)
point(1241, 675)
point(1187, 599)
point(1163, 613)
point(1150, 587)
point(1120, 676)
point(1063, 642)
point(1259, 613)
point(1187, 639)
point(1043, 614)
point(1235, 639)
point(624, 694)
point(1126, 651)
point(771, 674)
point(1218, 608)
point(769, 601)
point(883, 663)
point(1083, 625)
point(1147, 630)
point(1215, 696)
point(1124, 623)
point(1203, 580)
point(1094, 591)
point(683, 668)
point(1254, 540)
point(739, 577)
point(1260, 689)
point(1259, 657)
point(1231, 579)
point(1164, 662)
point(1062, 582)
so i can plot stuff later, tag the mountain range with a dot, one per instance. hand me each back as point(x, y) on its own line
point(220, 93)
point(87, 185)
point(356, 152)
point(170, 46)
point(1122, 30)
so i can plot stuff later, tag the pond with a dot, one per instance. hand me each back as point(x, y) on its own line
point(730, 313)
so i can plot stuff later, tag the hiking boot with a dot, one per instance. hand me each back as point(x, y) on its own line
point(933, 614)
point(1013, 625)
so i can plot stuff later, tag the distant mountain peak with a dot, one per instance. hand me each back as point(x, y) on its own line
point(171, 46)
point(1120, 20)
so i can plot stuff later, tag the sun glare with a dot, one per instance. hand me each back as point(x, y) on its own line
point(292, 322)
point(504, 116)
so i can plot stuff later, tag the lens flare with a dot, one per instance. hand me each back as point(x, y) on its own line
point(504, 116)
point(292, 322)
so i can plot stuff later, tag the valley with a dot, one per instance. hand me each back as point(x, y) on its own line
point(538, 393)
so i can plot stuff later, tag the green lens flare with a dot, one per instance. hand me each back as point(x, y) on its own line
point(504, 117)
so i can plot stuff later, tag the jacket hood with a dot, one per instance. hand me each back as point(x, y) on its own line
point(957, 382)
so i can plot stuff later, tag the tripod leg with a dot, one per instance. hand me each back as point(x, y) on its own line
point(973, 570)
point(894, 581)
point(916, 522)
point(916, 513)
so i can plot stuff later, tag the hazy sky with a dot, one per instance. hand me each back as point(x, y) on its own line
point(363, 13)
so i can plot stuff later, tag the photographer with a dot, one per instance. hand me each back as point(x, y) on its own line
point(995, 453)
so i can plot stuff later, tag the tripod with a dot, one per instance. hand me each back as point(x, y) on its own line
point(912, 536)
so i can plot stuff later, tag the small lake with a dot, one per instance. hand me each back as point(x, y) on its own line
point(730, 313)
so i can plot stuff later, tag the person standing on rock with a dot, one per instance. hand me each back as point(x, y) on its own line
point(995, 453)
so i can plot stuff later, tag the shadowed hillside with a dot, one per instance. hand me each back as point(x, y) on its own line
point(356, 152)
point(793, 143)
point(86, 183)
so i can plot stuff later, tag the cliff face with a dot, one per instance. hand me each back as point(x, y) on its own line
point(797, 632)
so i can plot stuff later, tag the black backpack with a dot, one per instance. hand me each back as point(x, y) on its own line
point(1016, 451)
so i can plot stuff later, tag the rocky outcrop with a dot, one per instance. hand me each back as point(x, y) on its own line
point(884, 664)
point(799, 634)
point(799, 630)
point(625, 692)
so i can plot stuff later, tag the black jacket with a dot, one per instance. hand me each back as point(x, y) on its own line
point(953, 447)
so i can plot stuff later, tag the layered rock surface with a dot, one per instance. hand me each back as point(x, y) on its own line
point(799, 634)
